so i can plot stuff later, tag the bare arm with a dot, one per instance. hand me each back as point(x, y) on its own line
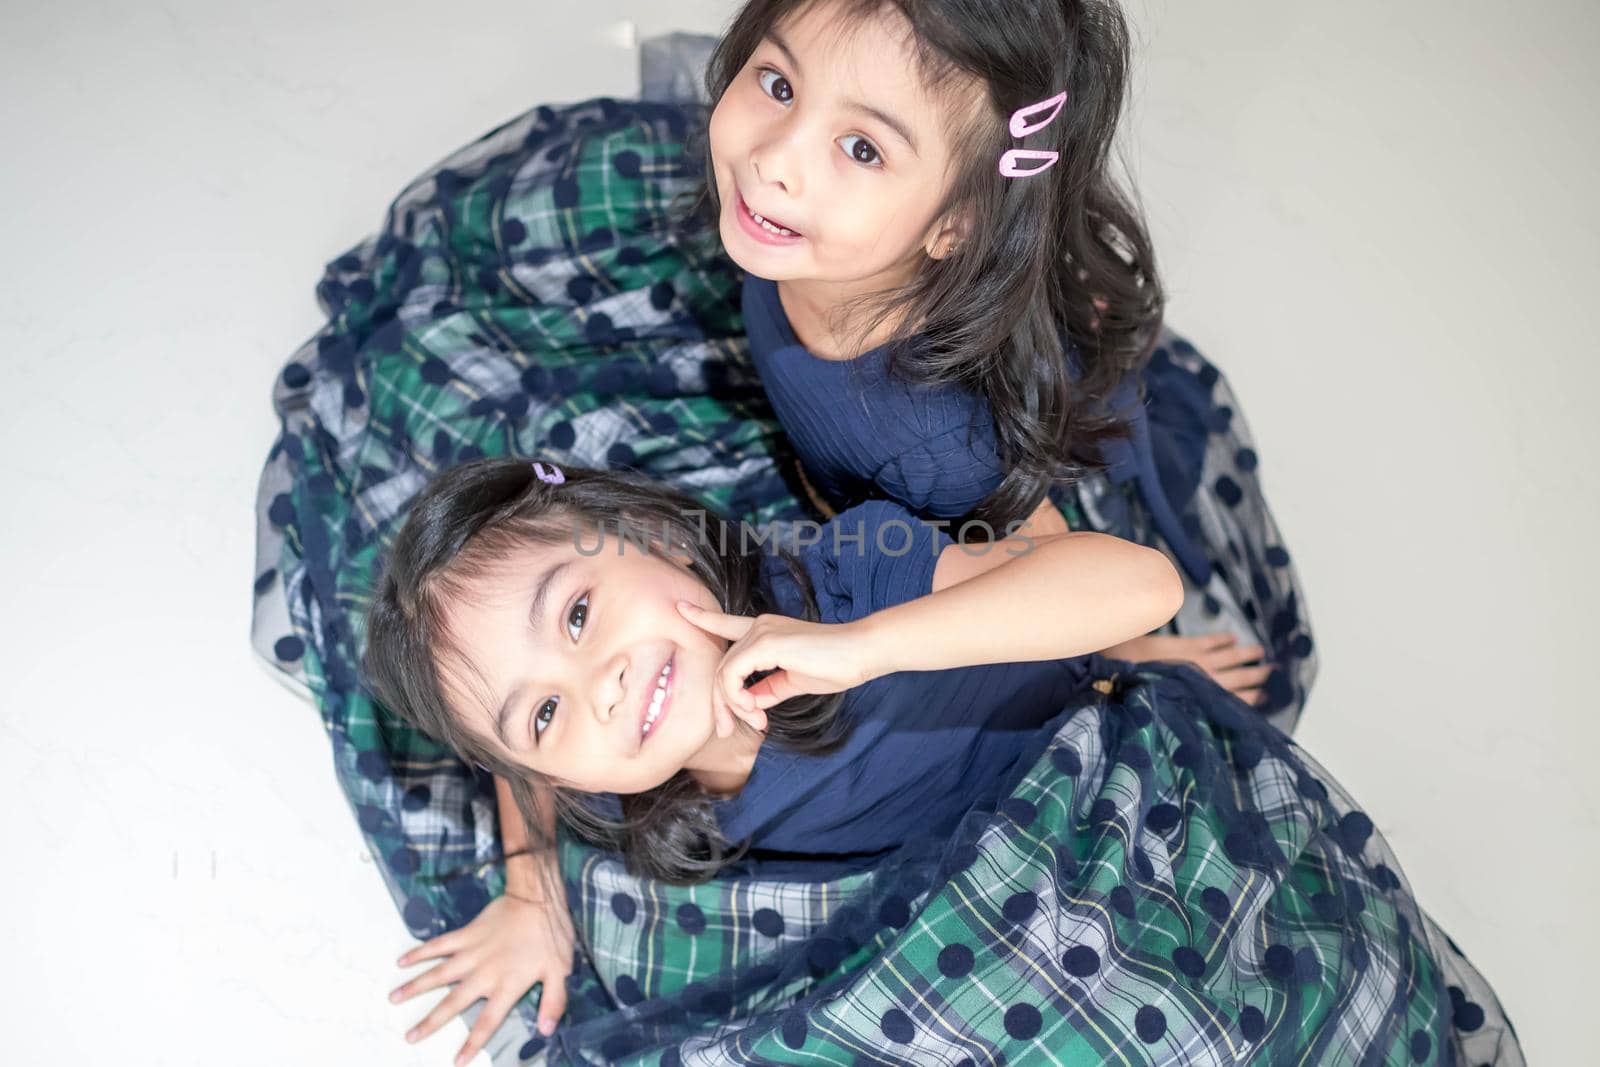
point(528, 875)
point(1046, 520)
point(1068, 595)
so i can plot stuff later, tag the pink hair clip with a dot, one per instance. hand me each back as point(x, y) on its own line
point(553, 475)
point(1020, 126)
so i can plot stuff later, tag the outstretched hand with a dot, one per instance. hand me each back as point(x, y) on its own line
point(511, 944)
point(1237, 669)
point(804, 657)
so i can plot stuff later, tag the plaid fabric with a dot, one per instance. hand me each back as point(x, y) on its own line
point(525, 296)
point(1168, 881)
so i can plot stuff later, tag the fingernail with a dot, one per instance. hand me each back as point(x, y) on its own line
point(547, 1027)
point(411, 1034)
point(394, 996)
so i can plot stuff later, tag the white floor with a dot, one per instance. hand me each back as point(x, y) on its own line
point(1378, 218)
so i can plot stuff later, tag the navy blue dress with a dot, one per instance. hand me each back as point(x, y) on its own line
point(926, 745)
point(1183, 480)
point(861, 433)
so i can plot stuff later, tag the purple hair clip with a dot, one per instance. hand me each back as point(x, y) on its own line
point(553, 475)
point(1021, 127)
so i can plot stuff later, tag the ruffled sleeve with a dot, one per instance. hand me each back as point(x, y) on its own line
point(872, 556)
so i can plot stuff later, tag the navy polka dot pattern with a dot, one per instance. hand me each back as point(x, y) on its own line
point(955, 961)
point(895, 911)
point(691, 920)
point(1190, 962)
point(793, 1029)
point(1019, 907)
point(1150, 1024)
point(1252, 1024)
point(1038, 927)
point(768, 922)
point(1023, 1021)
point(897, 1026)
point(1208, 466)
point(1081, 961)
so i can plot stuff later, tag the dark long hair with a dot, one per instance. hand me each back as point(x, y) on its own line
point(998, 315)
point(460, 528)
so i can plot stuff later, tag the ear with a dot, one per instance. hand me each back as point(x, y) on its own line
point(947, 235)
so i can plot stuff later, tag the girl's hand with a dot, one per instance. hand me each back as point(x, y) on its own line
point(499, 955)
point(1211, 652)
point(806, 657)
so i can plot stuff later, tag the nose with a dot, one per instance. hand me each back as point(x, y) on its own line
point(756, 166)
point(771, 164)
point(610, 689)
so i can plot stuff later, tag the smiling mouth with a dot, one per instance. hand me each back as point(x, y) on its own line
point(764, 223)
point(655, 707)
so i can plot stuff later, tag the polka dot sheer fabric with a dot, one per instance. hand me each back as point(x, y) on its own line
point(1166, 879)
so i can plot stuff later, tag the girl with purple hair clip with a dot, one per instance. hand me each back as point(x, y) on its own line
point(1185, 883)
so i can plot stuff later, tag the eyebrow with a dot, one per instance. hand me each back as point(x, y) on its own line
point(541, 594)
point(882, 116)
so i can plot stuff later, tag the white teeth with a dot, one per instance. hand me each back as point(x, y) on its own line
point(659, 696)
point(772, 226)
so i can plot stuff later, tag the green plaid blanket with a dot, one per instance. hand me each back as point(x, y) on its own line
point(526, 296)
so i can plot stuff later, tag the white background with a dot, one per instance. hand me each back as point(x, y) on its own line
point(1378, 218)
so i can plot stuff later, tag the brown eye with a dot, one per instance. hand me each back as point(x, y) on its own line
point(580, 611)
point(540, 720)
point(765, 71)
point(578, 616)
point(872, 150)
